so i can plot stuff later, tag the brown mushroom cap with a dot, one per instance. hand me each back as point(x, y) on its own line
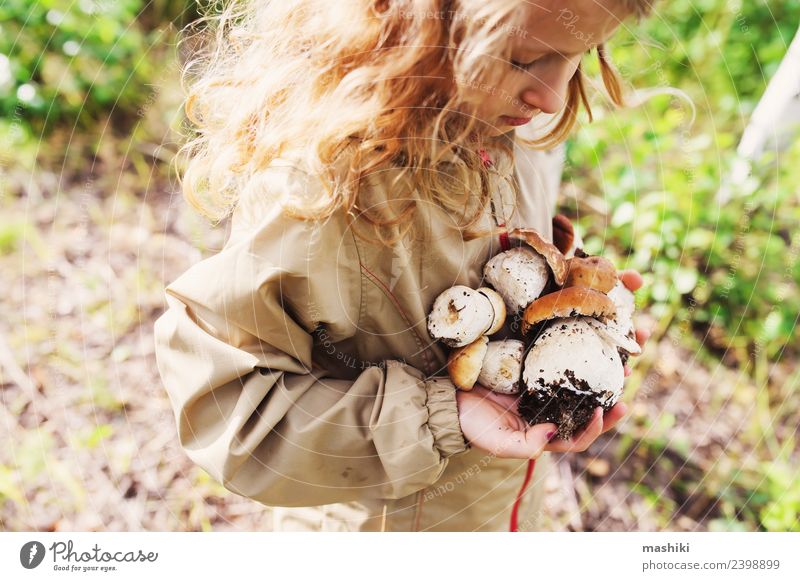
point(563, 233)
point(568, 302)
point(555, 259)
point(593, 272)
point(464, 364)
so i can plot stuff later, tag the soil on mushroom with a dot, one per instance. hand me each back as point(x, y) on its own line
point(569, 410)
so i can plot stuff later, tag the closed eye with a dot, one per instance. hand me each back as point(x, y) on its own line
point(522, 66)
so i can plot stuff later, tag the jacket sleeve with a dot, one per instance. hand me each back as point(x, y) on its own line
point(234, 350)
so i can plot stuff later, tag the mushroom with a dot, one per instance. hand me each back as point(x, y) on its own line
point(578, 351)
point(496, 365)
point(569, 371)
point(499, 306)
point(611, 333)
point(568, 302)
point(551, 253)
point(563, 233)
point(502, 366)
point(593, 272)
point(464, 364)
point(585, 329)
point(460, 315)
point(622, 324)
point(519, 275)
point(625, 304)
point(582, 269)
point(565, 237)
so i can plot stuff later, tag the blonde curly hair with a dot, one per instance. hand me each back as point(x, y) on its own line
point(358, 86)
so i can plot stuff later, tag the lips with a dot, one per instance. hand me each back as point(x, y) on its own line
point(515, 121)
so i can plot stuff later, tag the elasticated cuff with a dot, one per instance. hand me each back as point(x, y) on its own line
point(443, 417)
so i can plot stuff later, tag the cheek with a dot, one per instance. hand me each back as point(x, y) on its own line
point(481, 101)
point(495, 99)
point(558, 72)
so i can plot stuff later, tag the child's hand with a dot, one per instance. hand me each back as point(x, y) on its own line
point(633, 281)
point(490, 421)
point(599, 424)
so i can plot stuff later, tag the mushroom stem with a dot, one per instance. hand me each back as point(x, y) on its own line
point(502, 366)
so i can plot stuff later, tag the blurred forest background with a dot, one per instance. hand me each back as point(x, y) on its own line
point(94, 225)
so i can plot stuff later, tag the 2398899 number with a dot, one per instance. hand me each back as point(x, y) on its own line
point(755, 564)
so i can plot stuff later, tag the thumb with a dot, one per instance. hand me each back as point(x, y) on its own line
point(527, 443)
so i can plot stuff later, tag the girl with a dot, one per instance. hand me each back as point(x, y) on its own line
point(366, 152)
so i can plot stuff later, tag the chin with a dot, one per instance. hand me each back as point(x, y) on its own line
point(497, 130)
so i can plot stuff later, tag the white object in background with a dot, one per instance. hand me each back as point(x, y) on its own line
point(774, 120)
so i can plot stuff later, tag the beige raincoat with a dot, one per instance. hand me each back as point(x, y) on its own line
point(301, 373)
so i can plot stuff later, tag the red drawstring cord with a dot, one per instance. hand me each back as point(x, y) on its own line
point(514, 527)
point(505, 244)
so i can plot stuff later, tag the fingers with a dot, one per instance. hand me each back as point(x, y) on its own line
point(642, 335)
point(613, 416)
point(631, 279)
point(580, 442)
point(530, 443)
point(522, 444)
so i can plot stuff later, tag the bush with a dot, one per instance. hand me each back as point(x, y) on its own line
point(728, 273)
point(68, 63)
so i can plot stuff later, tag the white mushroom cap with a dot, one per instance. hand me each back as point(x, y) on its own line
point(519, 275)
point(460, 315)
point(502, 366)
point(622, 323)
point(571, 355)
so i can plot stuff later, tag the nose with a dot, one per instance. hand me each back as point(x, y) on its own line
point(546, 89)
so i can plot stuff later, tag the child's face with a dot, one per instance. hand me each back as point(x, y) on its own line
point(544, 57)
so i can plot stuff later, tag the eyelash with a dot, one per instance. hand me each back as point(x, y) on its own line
point(526, 66)
point(523, 66)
